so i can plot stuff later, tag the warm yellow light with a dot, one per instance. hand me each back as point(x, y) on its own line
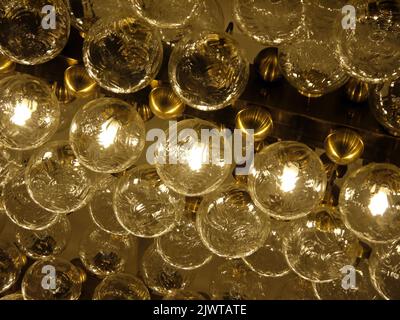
point(109, 131)
point(23, 112)
point(379, 203)
point(196, 156)
point(289, 178)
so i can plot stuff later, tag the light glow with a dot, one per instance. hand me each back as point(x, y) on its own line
point(289, 178)
point(109, 131)
point(379, 203)
point(23, 112)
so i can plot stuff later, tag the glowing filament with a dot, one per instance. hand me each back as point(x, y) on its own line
point(109, 131)
point(379, 203)
point(23, 112)
point(289, 178)
point(196, 156)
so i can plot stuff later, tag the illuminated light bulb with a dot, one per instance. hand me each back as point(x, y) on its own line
point(369, 203)
point(11, 164)
point(11, 263)
point(22, 210)
point(29, 112)
point(184, 295)
point(160, 276)
point(107, 135)
point(13, 297)
point(122, 55)
point(269, 22)
point(144, 205)
point(121, 287)
point(33, 32)
point(64, 284)
point(78, 82)
point(190, 165)
point(103, 253)
point(229, 223)
point(56, 180)
point(269, 260)
point(45, 243)
point(317, 247)
point(208, 71)
point(287, 180)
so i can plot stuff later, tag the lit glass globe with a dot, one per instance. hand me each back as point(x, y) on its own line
point(40, 284)
point(144, 205)
point(229, 223)
point(269, 22)
point(103, 253)
point(30, 33)
point(10, 165)
point(317, 247)
point(29, 112)
point(11, 263)
point(107, 135)
point(208, 71)
point(184, 295)
point(121, 287)
point(45, 243)
point(287, 180)
point(190, 165)
point(56, 180)
point(371, 51)
point(369, 202)
point(122, 55)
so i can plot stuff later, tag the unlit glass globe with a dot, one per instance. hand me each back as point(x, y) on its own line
point(208, 71)
point(107, 135)
point(230, 224)
point(45, 243)
point(121, 286)
point(11, 263)
point(56, 180)
point(33, 32)
point(317, 247)
point(190, 165)
point(144, 205)
point(369, 202)
point(123, 55)
point(29, 112)
point(38, 281)
point(287, 180)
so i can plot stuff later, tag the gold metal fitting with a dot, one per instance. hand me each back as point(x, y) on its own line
point(144, 111)
point(165, 104)
point(192, 204)
point(357, 91)
point(257, 119)
point(6, 65)
point(267, 64)
point(78, 82)
point(62, 93)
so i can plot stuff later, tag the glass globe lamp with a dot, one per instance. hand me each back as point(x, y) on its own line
point(11, 164)
point(13, 297)
point(11, 263)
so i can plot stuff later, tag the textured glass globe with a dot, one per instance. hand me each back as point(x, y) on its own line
point(13, 297)
point(184, 295)
point(189, 164)
point(317, 247)
point(11, 263)
point(369, 202)
point(10, 165)
point(103, 253)
point(269, 22)
point(144, 205)
point(56, 180)
point(22, 210)
point(160, 276)
point(3, 216)
point(182, 247)
point(33, 31)
point(29, 112)
point(122, 55)
point(45, 243)
point(121, 287)
point(38, 281)
point(287, 180)
point(167, 13)
point(208, 71)
point(371, 51)
point(229, 223)
point(107, 135)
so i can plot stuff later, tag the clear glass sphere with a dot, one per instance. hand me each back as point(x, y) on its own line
point(39, 282)
point(318, 246)
point(167, 13)
point(11, 263)
point(33, 31)
point(182, 247)
point(369, 202)
point(107, 135)
point(229, 223)
point(184, 295)
point(103, 253)
point(287, 180)
point(269, 22)
point(160, 276)
point(29, 112)
point(121, 287)
point(371, 50)
point(10, 165)
point(208, 71)
point(189, 164)
point(13, 297)
point(123, 55)
point(22, 210)
point(56, 180)
point(269, 260)
point(144, 205)
point(45, 243)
